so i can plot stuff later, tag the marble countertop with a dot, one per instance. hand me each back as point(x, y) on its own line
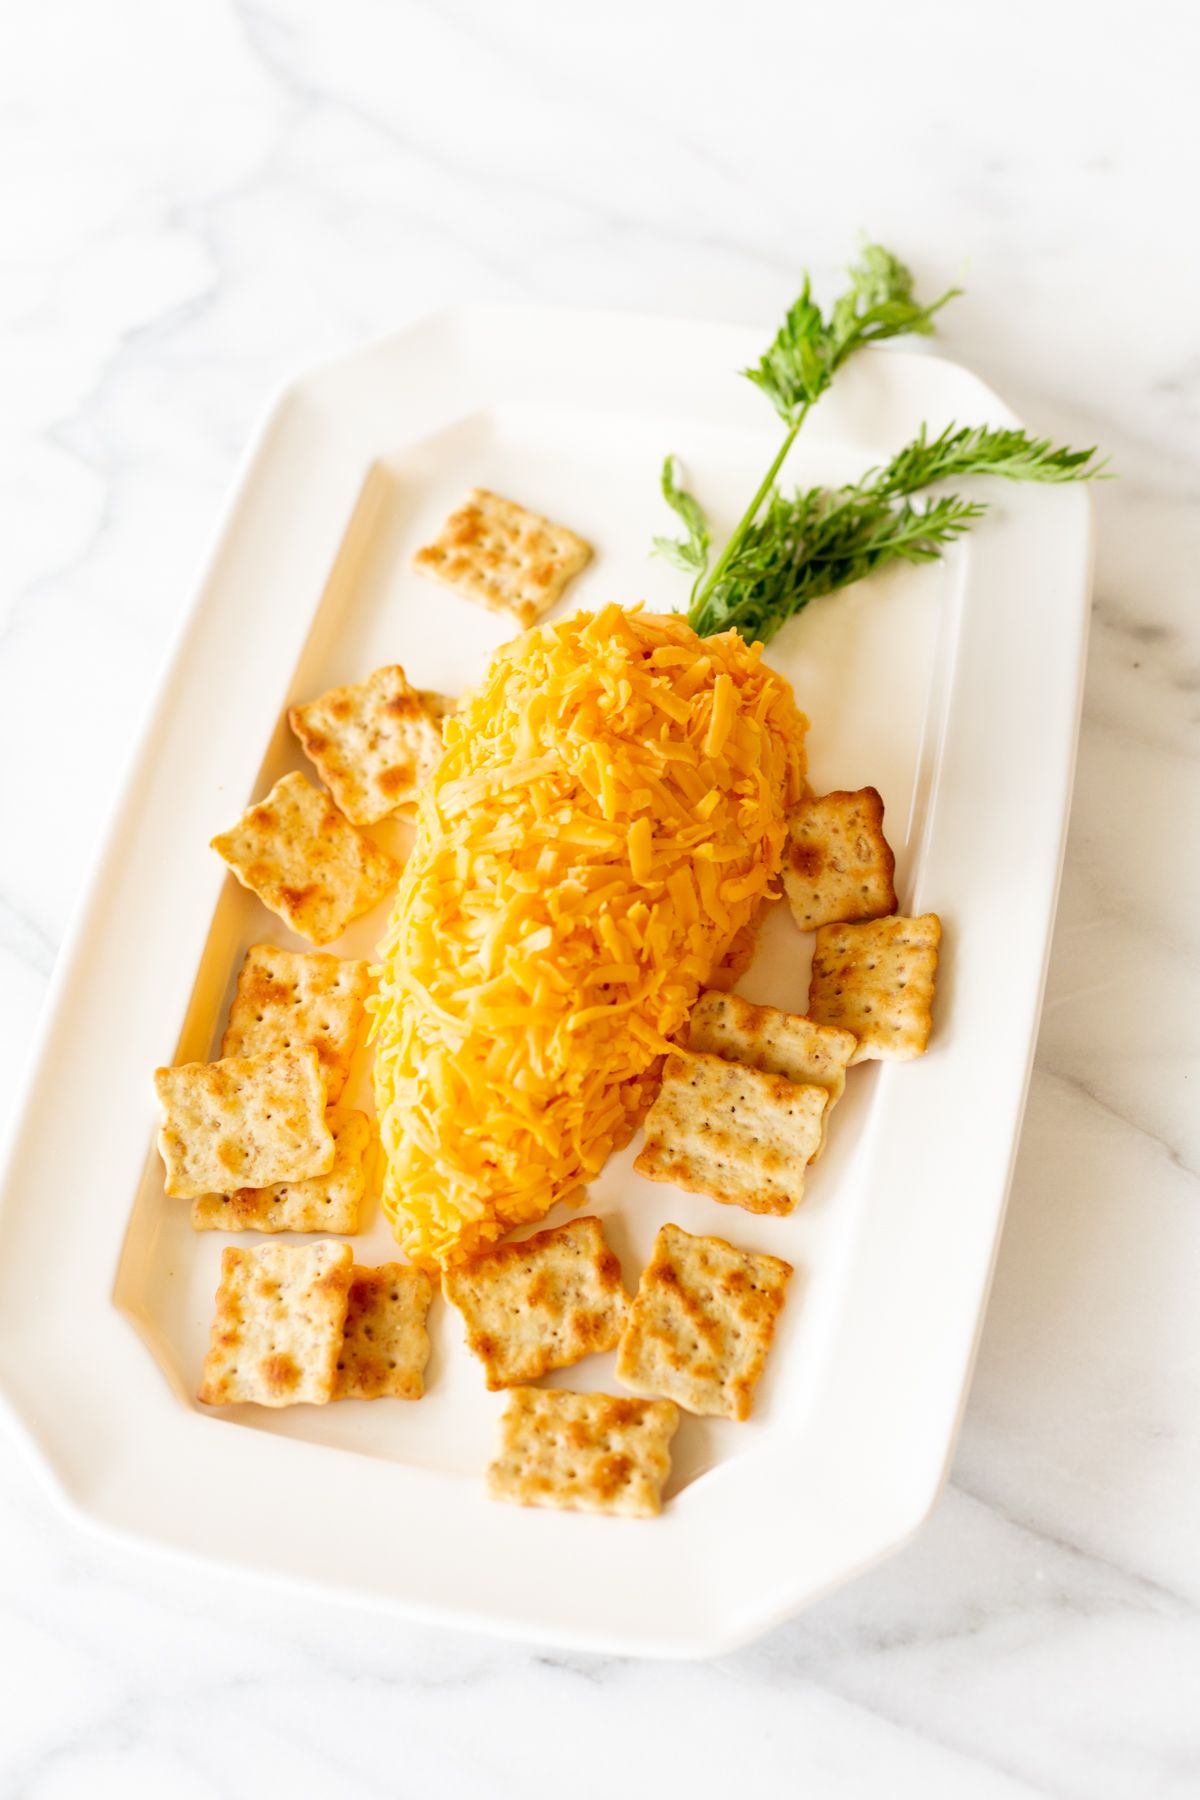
point(199, 198)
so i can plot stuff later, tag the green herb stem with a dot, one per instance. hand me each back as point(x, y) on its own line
point(748, 517)
point(785, 552)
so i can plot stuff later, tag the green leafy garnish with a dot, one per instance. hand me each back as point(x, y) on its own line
point(808, 349)
point(982, 450)
point(820, 539)
point(786, 551)
point(690, 552)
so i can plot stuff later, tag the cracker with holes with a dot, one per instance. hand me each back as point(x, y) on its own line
point(702, 1322)
point(877, 980)
point(246, 1121)
point(837, 863)
point(741, 1136)
point(385, 1345)
point(330, 1202)
point(286, 998)
point(277, 1328)
point(510, 560)
point(591, 1453)
point(305, 861)
point(779, 1043)
point(374, 743)
point(541, 1304)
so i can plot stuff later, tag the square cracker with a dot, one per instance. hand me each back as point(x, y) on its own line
point(324, 1203)
point(286, 998)
point(277, 1328)
point(374, 743)
point(305, 861)
point(246, 1121)
point(540, 1304)
point(513, 561)
point(701, 1323)
point(779, 1043)
point(583, 1452)
point(736, 1134)
point(385, 1345)
point(877, 980)
point(838, 864)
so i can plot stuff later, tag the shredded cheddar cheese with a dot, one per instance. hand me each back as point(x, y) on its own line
point(604, 826)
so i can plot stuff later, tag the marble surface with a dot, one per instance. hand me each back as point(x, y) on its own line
point(199, 197)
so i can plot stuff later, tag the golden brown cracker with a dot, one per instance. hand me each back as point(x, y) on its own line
point(277, 1328)
point(838, 865)
point(702, 1322)
point(541, 1304)
point(583, 1452)
point(385, 1345)
point(877, 980)
point(289, 997)
point(246, 1121)
point(374, 743)
point(736, 1134)
point(306, 861)
point(779, 1043)
point(507, 558)
point(329, 1202)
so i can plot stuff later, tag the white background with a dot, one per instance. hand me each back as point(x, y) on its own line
point(195, 200)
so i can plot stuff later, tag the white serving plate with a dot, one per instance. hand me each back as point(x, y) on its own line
point(954, 689)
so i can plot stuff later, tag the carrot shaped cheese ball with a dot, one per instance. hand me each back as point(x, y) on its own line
point(609, 813)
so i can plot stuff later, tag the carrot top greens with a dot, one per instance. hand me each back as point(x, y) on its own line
point(789, 549)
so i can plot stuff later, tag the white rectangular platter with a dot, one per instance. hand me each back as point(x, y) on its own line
point(954, 690)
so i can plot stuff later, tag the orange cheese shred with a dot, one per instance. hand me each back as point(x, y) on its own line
point(605, 823)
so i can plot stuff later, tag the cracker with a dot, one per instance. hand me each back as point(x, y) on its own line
point(702, 1322)
point(385, 1345)
point(375, 743)
point(246, 1121)
point(779, 1043)
point(583, 1452)
point(510, 560)
point(540, 1304)
point(324, 1203)
point(739, 1135)
point(838, 865)
point(305, 861)
point(286, 998)
point(877, 980)
point(277, 1328)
